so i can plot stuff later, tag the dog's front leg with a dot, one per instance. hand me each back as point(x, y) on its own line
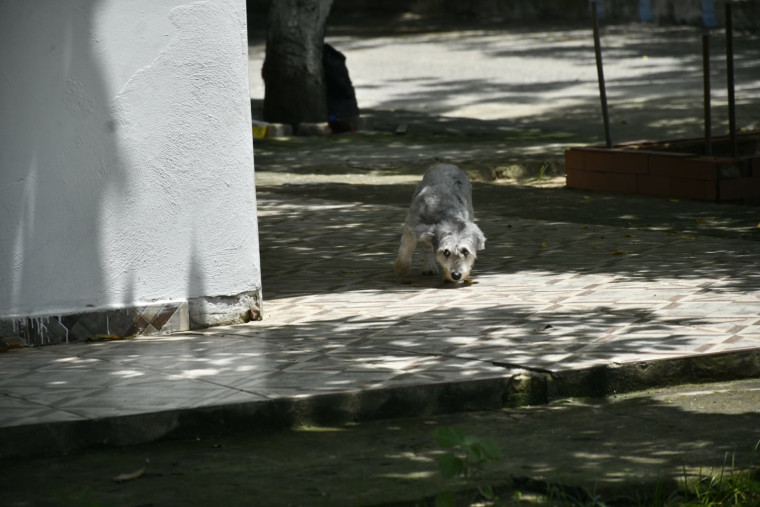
point(429, 265)
point(405, 251)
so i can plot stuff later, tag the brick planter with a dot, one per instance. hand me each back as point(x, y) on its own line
point(675, 168)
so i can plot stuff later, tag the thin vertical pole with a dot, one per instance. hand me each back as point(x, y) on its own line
point(706, 91)
point(600, 76)
point(730, 78)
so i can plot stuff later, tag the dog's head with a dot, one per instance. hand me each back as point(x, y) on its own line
point(455, 246)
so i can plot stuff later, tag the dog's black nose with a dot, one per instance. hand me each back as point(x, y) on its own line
point(456, 276)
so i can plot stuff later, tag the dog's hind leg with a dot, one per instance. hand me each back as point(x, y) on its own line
point(405, 251)
point(429, 264)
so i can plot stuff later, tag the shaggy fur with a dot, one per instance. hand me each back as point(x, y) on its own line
point(441, 217)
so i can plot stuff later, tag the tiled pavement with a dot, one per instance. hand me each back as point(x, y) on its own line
point(548, 298)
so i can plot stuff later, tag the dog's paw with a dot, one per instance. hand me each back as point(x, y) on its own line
point(400, 267)
point(430, 267)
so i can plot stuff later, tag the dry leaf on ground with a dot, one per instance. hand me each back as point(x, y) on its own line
point(130, 476)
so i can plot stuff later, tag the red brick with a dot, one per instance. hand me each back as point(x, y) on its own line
point(598, 160)
point(574, 178)
point(607, 160)
point(629, 162)
point(574, 159)
point(689, 188)
point(599, 181)
point(731, 190)
point(653, 185)
point(683, 167)
point(711, 191)
point(620, 184)
point(752, 185)
point(585, 180)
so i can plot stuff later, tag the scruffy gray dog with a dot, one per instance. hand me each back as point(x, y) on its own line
point(441, 217)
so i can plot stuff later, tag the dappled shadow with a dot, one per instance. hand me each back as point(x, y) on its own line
point(479, 146)
point(349, 240)
point(492, 97)
point(572, 281)
point(643, 67)
point(401, 356)
point(552, 71)
point(621, 451)
point(416, 341)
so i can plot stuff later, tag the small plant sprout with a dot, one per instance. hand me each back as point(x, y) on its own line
point(466, 456)
point(542, 171)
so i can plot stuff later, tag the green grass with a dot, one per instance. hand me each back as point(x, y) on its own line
point(731, 485)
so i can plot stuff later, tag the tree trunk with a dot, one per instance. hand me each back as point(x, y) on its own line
point(293, 72)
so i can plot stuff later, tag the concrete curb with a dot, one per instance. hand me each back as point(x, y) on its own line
point(610, 380)
point(515, 389)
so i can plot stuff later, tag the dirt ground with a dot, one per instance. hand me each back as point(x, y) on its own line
point(619, 449)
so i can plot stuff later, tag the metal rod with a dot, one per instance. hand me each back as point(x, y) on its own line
point(706, 90)
point(730, 79)
point(600, 75)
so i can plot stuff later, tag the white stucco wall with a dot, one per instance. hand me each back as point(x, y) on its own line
point(126, 161)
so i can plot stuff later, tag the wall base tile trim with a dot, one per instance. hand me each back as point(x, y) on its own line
point(154, 319)
point(224, 310)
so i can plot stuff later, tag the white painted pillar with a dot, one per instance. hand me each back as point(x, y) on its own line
point(127, 200)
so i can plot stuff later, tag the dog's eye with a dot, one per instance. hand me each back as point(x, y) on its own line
point(465, 252)
point(446, 253)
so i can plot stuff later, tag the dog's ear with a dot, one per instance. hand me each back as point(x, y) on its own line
point(476, 236)
point(480, 237)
